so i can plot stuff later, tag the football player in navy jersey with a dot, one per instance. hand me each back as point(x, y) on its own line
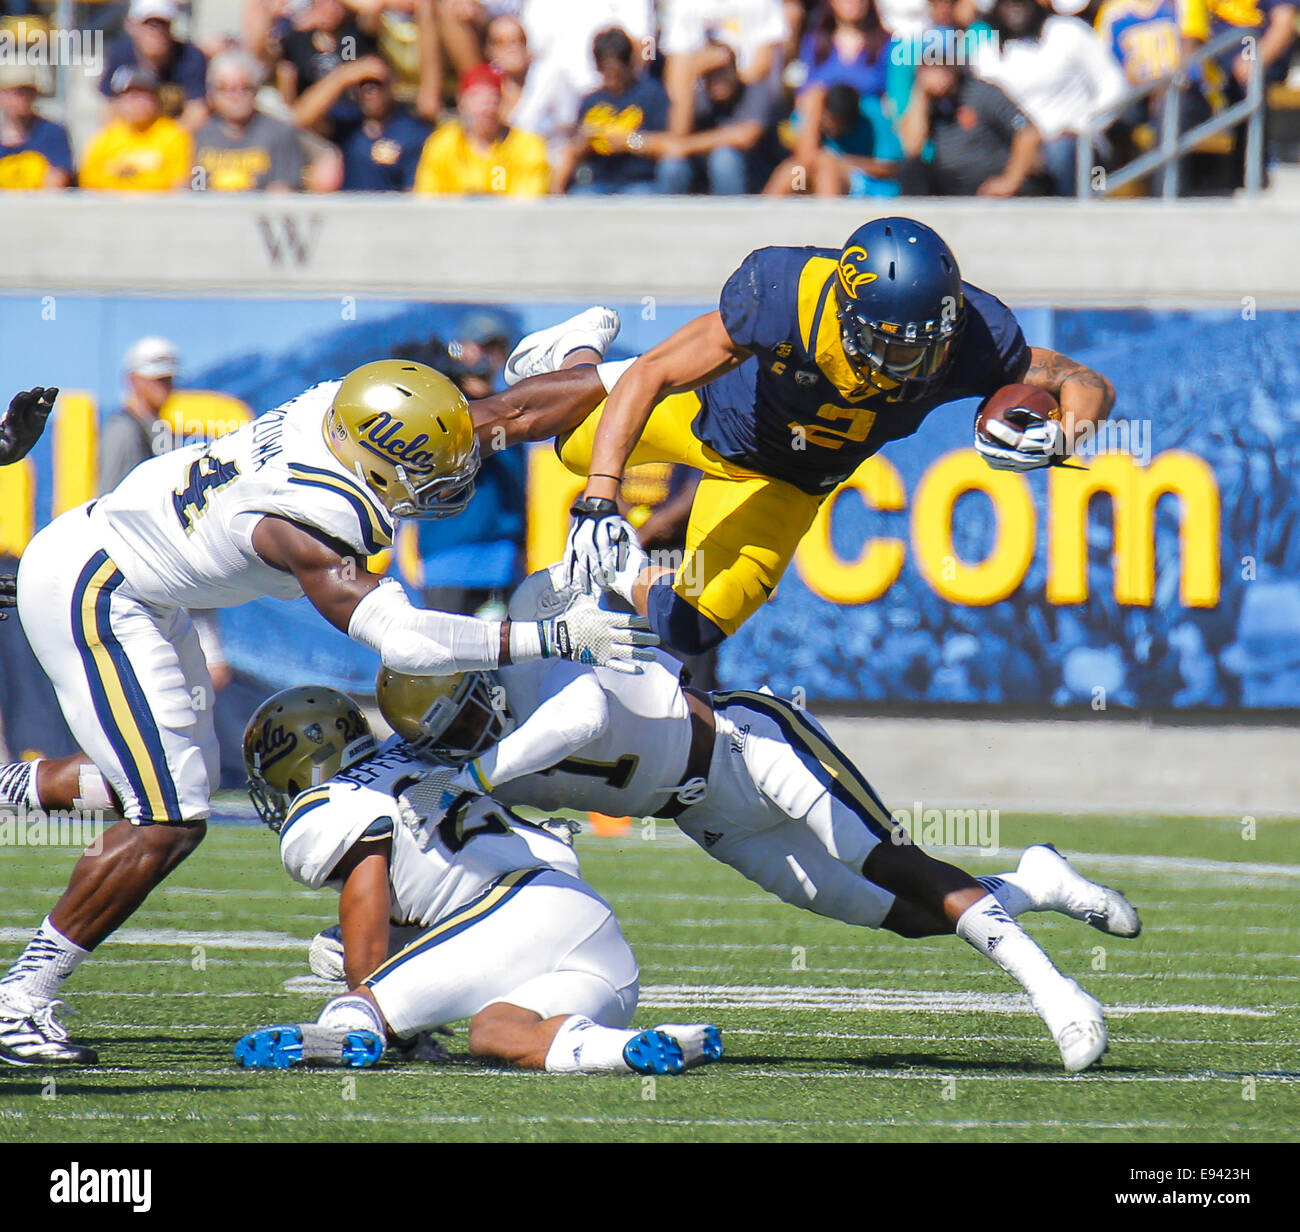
point(813, 361)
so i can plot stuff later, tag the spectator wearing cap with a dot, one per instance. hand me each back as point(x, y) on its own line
point(323, 35)
point(34, 152)
point(134, 434)
point(732, 146)
point(141, 150)
point(981, 143)
point(147, 42)
point(381, 141)
point(479, 153)
point(615, 150)
point(1057, 71)
point(240, 149)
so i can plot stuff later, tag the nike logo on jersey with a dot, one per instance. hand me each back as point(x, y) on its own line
point(710, 837)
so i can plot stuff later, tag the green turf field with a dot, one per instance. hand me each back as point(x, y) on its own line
point(831, 1033)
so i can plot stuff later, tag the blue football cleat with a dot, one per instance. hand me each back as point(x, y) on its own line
point(671, 1048)
point(308, 1044)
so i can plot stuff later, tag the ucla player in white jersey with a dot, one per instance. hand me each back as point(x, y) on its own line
point(291, 505)
point(758, 784)
point(501, 928)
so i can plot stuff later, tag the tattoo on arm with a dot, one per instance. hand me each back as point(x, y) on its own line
point(1050, 370)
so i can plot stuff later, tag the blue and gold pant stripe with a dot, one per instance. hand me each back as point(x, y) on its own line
point(841, 777)
point(501, 891)
point(120, 703)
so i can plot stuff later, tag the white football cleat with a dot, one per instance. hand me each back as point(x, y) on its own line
point(1067, 890)
point(30, 1034)
point(1077, 1025)
point(544, 350)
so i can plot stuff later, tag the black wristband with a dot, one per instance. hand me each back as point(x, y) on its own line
point(594, 507)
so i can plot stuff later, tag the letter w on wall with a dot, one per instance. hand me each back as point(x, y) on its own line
point(289, 238)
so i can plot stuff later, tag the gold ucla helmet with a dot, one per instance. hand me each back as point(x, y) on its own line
point(298, 738)
point(405, 431)
point(454, 718)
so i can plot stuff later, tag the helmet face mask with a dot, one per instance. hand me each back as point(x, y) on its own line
point(912, 358)
point(442, 496)
point(451, 718)
point(297, 739)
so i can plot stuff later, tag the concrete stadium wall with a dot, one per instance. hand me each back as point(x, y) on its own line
point(1129, 253)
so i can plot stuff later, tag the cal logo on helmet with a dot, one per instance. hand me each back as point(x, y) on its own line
point(852, 273)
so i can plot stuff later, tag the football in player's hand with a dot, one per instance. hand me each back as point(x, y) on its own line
point(1017, 406)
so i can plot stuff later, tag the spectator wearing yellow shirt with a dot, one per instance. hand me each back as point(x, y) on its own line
point(142, 150)
point(479, 152)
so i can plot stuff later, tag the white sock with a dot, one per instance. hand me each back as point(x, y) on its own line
point(42, 967)
point(611, 370)
point(18, 784)
point(582, 1046)
point(1011, 892)
point(352, 1013)
point(986, 927)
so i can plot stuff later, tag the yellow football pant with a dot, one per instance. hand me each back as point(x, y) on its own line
point(744, 527)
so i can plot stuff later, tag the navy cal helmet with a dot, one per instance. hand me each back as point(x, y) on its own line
point(900, 305)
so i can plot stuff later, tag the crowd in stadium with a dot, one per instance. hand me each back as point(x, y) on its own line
point(529, 97)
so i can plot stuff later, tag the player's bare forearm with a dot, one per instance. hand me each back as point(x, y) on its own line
point(329, 573)
point(693, 356)
point(1086, 397)
point(364, 908)
point(537, 409)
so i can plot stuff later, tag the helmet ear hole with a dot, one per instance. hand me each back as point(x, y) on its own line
point(378, 480)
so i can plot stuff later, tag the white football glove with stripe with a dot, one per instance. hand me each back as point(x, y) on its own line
point(1039, 443)
point(585, 633)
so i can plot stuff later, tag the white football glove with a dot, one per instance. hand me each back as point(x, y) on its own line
point(1040, 443)
point(594, 534)
point(586, 633)
point(621, 563)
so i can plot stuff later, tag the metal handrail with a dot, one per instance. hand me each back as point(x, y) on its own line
point(1173, 145)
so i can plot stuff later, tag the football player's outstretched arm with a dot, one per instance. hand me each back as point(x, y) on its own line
point(364, 907)
point(377, 613)
point(693, 356)
point(1084, 394)
point(537, 408)
point(573, 711)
